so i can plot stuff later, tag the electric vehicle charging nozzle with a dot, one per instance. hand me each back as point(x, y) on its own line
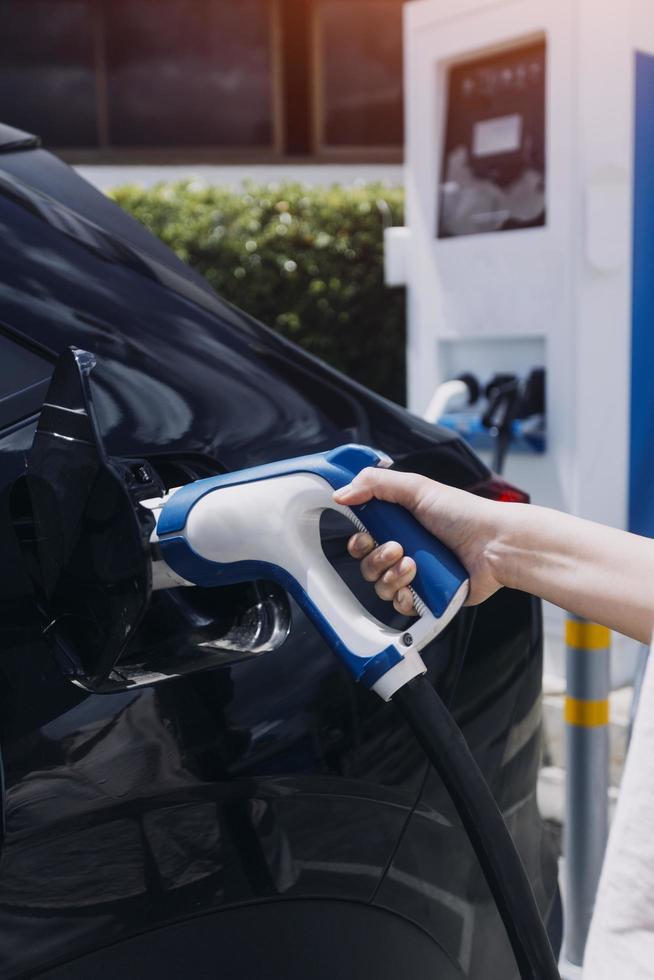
point(264, 522)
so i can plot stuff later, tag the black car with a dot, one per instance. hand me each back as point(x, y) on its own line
point(218, 811)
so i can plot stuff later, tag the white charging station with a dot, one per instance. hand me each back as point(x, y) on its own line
point(529, 237)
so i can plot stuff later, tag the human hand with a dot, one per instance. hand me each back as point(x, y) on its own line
point(473, 527)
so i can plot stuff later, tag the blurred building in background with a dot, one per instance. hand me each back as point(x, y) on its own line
point(153, 81)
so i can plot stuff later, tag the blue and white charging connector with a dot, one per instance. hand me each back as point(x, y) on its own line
point(264, 522)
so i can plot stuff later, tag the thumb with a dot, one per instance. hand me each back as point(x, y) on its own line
point(382, 484)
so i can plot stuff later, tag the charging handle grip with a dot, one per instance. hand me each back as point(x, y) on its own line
point(439, 573)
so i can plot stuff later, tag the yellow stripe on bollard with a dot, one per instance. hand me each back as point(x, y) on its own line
point(586, 636)
point(586, 714)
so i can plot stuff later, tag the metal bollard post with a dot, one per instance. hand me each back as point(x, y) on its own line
point(587, 776)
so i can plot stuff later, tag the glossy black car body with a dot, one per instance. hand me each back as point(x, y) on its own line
point(265, 818)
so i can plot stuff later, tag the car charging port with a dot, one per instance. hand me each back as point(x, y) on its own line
point(90, 557)
point(189, 629)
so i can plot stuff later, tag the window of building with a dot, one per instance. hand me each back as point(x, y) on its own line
point(227, 78)
point(358, 92)
point(190, 72)
point(47, 69)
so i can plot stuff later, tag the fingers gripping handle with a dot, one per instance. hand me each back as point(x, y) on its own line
point(439, 573)
point(373, 653)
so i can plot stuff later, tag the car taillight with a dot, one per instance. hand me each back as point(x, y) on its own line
point(495, 488)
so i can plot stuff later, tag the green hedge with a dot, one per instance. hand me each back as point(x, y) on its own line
point(308, 261)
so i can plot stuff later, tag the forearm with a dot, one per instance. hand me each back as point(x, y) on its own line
point(594, 571)
point(597, 572)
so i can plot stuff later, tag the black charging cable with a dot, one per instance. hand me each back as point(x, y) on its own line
point(448, 752)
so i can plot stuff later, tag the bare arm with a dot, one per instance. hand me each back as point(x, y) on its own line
point(594, 571)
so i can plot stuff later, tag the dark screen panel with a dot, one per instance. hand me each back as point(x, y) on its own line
point(189, 72)
point(493, 166)
point(47, 76)
point(361, 55)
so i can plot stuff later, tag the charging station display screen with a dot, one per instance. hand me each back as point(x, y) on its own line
point(493, 165)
